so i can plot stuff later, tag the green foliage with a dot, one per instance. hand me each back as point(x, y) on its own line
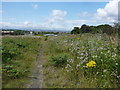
point(44, 32)
point(85, 28)
point(75, 30)
point(108, 29)
point(18, 56)
point(82, 49)
point(9, 54)
point(59, 60)
point(11, 48)
point(46, 38)
point(11, 72)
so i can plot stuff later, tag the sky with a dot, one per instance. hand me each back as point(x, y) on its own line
point(57, 15)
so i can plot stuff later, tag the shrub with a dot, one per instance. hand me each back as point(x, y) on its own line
point(9, 54)
point(46, 38)
point(59, 60)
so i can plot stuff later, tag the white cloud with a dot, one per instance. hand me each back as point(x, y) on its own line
point(83, 14)
point(26, 23)
point(35, 6)
point(59, 13)
point(56, 20)
point(57, 16)
point(109, 13)
point(5, 24)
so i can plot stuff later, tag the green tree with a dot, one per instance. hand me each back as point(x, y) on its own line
point(76, 30)
point(105, 28)
point(85, 28)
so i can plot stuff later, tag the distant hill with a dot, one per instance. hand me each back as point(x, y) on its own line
point(38, 30)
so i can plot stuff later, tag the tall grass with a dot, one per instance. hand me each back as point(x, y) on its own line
point(81, 50)
point(18, 60)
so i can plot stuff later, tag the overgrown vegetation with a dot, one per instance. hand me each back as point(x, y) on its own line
point(59, 60)
point(92, 61)
point(89, 58)
point(18, 58)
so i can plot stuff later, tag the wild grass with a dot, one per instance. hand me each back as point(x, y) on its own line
point(18, 60)
point(69, 61)
point(80, 50)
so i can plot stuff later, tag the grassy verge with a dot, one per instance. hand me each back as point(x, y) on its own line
point(18, 59)
point(92, 61)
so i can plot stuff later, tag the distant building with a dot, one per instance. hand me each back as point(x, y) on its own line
point(50, 35)
point(7, 32)
point(31, 33)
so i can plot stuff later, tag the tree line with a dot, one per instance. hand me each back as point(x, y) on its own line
point(15, 32)
point(106, 28)
point(26, 32)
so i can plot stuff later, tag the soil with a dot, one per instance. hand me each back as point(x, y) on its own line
point(36, 78)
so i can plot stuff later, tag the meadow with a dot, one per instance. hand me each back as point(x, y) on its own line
point(18, 60)
point(81, 61)
point(68, 61)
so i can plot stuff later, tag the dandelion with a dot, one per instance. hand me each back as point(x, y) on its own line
point(91, 64)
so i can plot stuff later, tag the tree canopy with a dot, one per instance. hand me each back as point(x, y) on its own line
point(106, 28)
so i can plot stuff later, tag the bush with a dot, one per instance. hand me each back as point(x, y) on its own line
point(59, 60)
point(9, 54)
point(46, 38)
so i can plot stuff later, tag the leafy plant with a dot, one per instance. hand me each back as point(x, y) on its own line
point(59, 60)
point(11, 72)
point(17, 56)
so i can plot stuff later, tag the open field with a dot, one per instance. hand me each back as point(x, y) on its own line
point(18, 60)
point(81, 61)
point(69, 61)
point(60, 44)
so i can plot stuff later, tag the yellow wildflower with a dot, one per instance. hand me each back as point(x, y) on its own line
point(91, 64)
point(78, 38)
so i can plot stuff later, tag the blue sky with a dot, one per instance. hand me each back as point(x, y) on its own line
point(53, 15)
point(22, 11)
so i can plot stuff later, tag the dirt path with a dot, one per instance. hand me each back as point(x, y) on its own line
point(36, 79)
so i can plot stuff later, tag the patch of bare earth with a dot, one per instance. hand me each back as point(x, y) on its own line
point(36, 78)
